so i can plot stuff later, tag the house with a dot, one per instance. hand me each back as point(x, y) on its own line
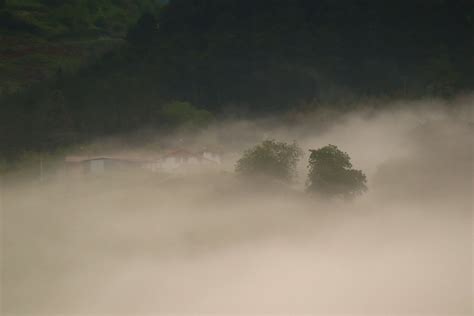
point(211, 154)
point(182, 160)
point(100, 164)
point(176, 160)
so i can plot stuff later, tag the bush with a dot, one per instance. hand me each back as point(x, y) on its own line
point(273, 159)
point(331, 174)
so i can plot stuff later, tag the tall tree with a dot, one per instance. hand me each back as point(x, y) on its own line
point(270, 159)
point(331, 174)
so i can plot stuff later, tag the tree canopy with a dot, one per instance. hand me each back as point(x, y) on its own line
point(270, 159)
point(331, 174)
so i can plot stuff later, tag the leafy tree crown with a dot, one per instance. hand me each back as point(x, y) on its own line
point(331, 174)
point(270, 158)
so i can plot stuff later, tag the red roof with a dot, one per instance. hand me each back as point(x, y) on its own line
point(128, 158)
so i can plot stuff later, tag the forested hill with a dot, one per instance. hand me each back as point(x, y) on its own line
point(62, 18)
point(39, 36)
point(245, 56)
point(276, 52)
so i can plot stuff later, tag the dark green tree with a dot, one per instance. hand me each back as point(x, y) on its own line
point(331, 174)
point(270, 159)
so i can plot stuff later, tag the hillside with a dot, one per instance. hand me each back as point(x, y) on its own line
point(38, 38)
point(192, 60)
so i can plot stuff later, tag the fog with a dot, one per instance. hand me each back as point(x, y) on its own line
point(209, 242)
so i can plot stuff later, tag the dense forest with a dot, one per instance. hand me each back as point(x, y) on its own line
point(190, 60)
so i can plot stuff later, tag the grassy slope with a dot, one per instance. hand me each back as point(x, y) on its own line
point(37, 40)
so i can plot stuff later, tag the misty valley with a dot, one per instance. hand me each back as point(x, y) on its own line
point(206, 240)
point(236, 157)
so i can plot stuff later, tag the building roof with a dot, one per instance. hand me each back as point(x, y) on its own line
point(124, 158)
point(138, 158)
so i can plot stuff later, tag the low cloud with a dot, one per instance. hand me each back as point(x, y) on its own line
point(209, 243)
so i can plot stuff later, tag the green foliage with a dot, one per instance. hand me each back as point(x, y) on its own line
point(258, 56)
point(81, 18)
point(271, 159)
point(331, 174)
point(275, 54)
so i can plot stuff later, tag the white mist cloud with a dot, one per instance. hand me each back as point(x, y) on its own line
point(207, 243)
